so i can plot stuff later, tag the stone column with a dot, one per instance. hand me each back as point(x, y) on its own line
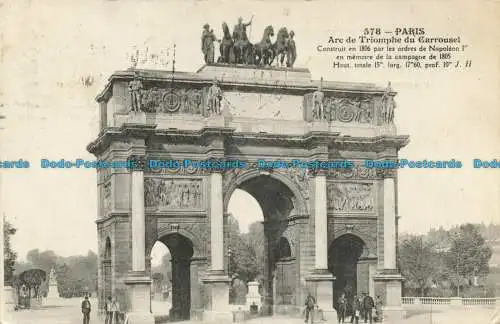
point(216, 223)
point(389, 224)
point(321, 278)
point(389, 277)
point(320, 223)
point(217, 281)
point(139, 283)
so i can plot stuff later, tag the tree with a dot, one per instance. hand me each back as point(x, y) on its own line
point(418, 262)
point(468, 255)
point(9, 255)
point(33, 278)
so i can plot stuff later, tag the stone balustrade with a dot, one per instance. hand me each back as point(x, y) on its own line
point(453, 301)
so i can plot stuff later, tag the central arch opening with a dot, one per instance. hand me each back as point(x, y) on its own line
point(171, 263)
point(258, 226)
point(343, 256)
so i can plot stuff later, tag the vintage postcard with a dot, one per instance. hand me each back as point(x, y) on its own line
point(250, 161)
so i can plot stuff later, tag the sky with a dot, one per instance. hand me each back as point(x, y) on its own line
point(49, 46)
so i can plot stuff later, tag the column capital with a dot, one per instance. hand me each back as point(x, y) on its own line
point(137, 162)
point(313, 173)
point(386, 173)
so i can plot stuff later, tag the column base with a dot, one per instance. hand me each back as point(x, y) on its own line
point(217, 317)
point(393, 314)
point(139, 318)
point(389, 281)
point(218, 310)
point(321, 282)
point(139, 292)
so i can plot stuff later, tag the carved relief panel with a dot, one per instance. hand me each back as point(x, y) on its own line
point(172, 100)
point(341, 109)
point(106, 196)
point(173, 193)
point(351, 197)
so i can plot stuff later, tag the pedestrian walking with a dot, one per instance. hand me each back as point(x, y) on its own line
point(115, 311)
point(356, 310)
point(107, 310)
point(378, 309)
point(86, 310)
point(310, 302)
point(368, 305)
point(341, 308)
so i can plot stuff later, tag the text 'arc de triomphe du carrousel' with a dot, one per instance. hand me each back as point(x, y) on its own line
point(332, 230)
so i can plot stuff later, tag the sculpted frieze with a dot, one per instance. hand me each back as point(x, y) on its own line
point(351, 197)
point(172, 100)
point(342, 109)
point(163, 193)
point(357, 172)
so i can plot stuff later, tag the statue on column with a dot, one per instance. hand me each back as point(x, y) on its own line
point(135, 87)
point(291, 50)
point(388, 105)
point(214, 98)
point(52, 277)
point(207, 44)
point(318, 106)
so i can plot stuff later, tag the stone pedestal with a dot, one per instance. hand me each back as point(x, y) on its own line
point(53, 292)
point(9, 297)
point(140, 298)
point(217, 284)
point(390, 281)
point(253, 296)
point(321, 281)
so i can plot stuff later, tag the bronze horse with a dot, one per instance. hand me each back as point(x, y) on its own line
point(263, 51)
point(226, 46)
point(280, 48)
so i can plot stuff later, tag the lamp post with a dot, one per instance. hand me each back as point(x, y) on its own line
point(229, 253)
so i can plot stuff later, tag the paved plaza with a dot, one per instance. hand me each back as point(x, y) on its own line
point(68, 311)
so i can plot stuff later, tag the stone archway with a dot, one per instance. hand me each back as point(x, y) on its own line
point(280, 201)
point(181, 251)
point(343, 256)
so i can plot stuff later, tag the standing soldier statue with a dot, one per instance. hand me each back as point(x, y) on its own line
point(388, 105)
point(207, 44)
point(291, 50)
point(318, 107)
point(135, 87)
point(214, 98)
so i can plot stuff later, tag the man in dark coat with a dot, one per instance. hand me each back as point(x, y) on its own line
point(310, 302)
point(368, 305)
point(86, 310)
point(356, 309)
point(341, 308)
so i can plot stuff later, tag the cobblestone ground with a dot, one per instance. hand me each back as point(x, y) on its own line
point(68, 312)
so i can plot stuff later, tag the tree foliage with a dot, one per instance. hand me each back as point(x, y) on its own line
point(418, 263)
point(446, 258)
point(33, 279)
point(75, 275)
point(243, 260)
point(9, 256)
point(469, 254)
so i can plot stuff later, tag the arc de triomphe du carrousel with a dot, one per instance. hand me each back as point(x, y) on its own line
point(332, 230)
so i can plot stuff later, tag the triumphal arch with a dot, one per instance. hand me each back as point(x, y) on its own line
point(332, 229)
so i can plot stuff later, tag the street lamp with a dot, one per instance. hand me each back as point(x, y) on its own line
point(229, 253)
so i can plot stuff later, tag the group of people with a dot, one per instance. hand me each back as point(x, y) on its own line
point(361, 307)
point(111, 308)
